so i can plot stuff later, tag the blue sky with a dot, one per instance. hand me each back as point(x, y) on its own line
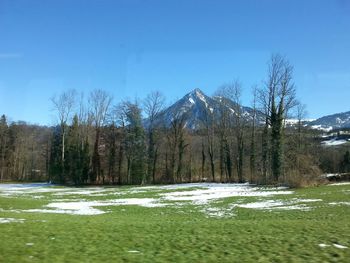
point(131, 47)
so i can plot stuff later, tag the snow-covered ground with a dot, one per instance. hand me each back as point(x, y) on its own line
point(203, 196)
point(10, 220)
point(322, 128)
point(334, 245)
point(341, 183)
point(333, 142)
point(293, 204)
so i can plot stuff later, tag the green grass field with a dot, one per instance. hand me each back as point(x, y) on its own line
point(243, 228)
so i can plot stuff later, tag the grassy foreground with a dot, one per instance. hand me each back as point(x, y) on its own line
point(179, 234)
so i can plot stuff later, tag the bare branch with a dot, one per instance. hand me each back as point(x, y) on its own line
point(99, 102)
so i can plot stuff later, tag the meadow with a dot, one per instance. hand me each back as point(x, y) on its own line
point(174, 223)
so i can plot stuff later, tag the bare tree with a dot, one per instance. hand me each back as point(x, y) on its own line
point(177, 145)
point(64, 105)
point(153, 105)
point(209, 127)
point(239, 124)
point(301, 113)
point(224, 126)
point(253, 137)
point(265, 102)
point(111, 141)
point(119, 112)
point(99, 102)
point(232, 92)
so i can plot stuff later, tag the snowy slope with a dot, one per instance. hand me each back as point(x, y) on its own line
point(195, 106)
point(334, 121)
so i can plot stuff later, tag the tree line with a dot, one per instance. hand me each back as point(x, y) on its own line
point(98, 142)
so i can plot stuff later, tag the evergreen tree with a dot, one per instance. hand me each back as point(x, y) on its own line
point(77, 155)
point(73, 159)
point(111, 137)
point(55, 163)
point(85, 160)
point(135, 144)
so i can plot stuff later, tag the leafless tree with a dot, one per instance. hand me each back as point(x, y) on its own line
point(99, 102)
point(119, 112)
point(153, 105)
point(224, 126)
point(177, 145)
point(209, 127)
point(301, 114)
point(253, 137)
point(64, 105)
point(233, 92)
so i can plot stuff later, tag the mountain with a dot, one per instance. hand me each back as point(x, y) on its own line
point(330, 122)
point(194, 107)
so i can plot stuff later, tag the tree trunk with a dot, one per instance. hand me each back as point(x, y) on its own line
point(96, 158)
point(62, 154)
point(212, 167)
point(203, 162)
point(240, 159)
point(265, 153)
point(155, 159)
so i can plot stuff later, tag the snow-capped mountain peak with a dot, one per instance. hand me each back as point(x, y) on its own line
point(195, 106)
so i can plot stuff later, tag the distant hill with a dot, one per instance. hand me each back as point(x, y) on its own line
point(331, 122)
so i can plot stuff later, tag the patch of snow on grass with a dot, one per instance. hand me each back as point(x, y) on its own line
point(339, 246)
point(262, 205)
point(294, 204)
point(83, 192)
point(11, 220)
point(307, 200)
point(8, 190)
point(24, 186)
point(323, 245)
point(293, 207)
point(88, 207)
point(145, 202)
point(340, 203)
point(334, 244)
point(70, 212)
point(218, 212)
point(343, 183)
point(217, 191)
point(21, 191)
point(77, 208)
point(195, 193)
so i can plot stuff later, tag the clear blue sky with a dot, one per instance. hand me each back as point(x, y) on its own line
point(131, 47)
